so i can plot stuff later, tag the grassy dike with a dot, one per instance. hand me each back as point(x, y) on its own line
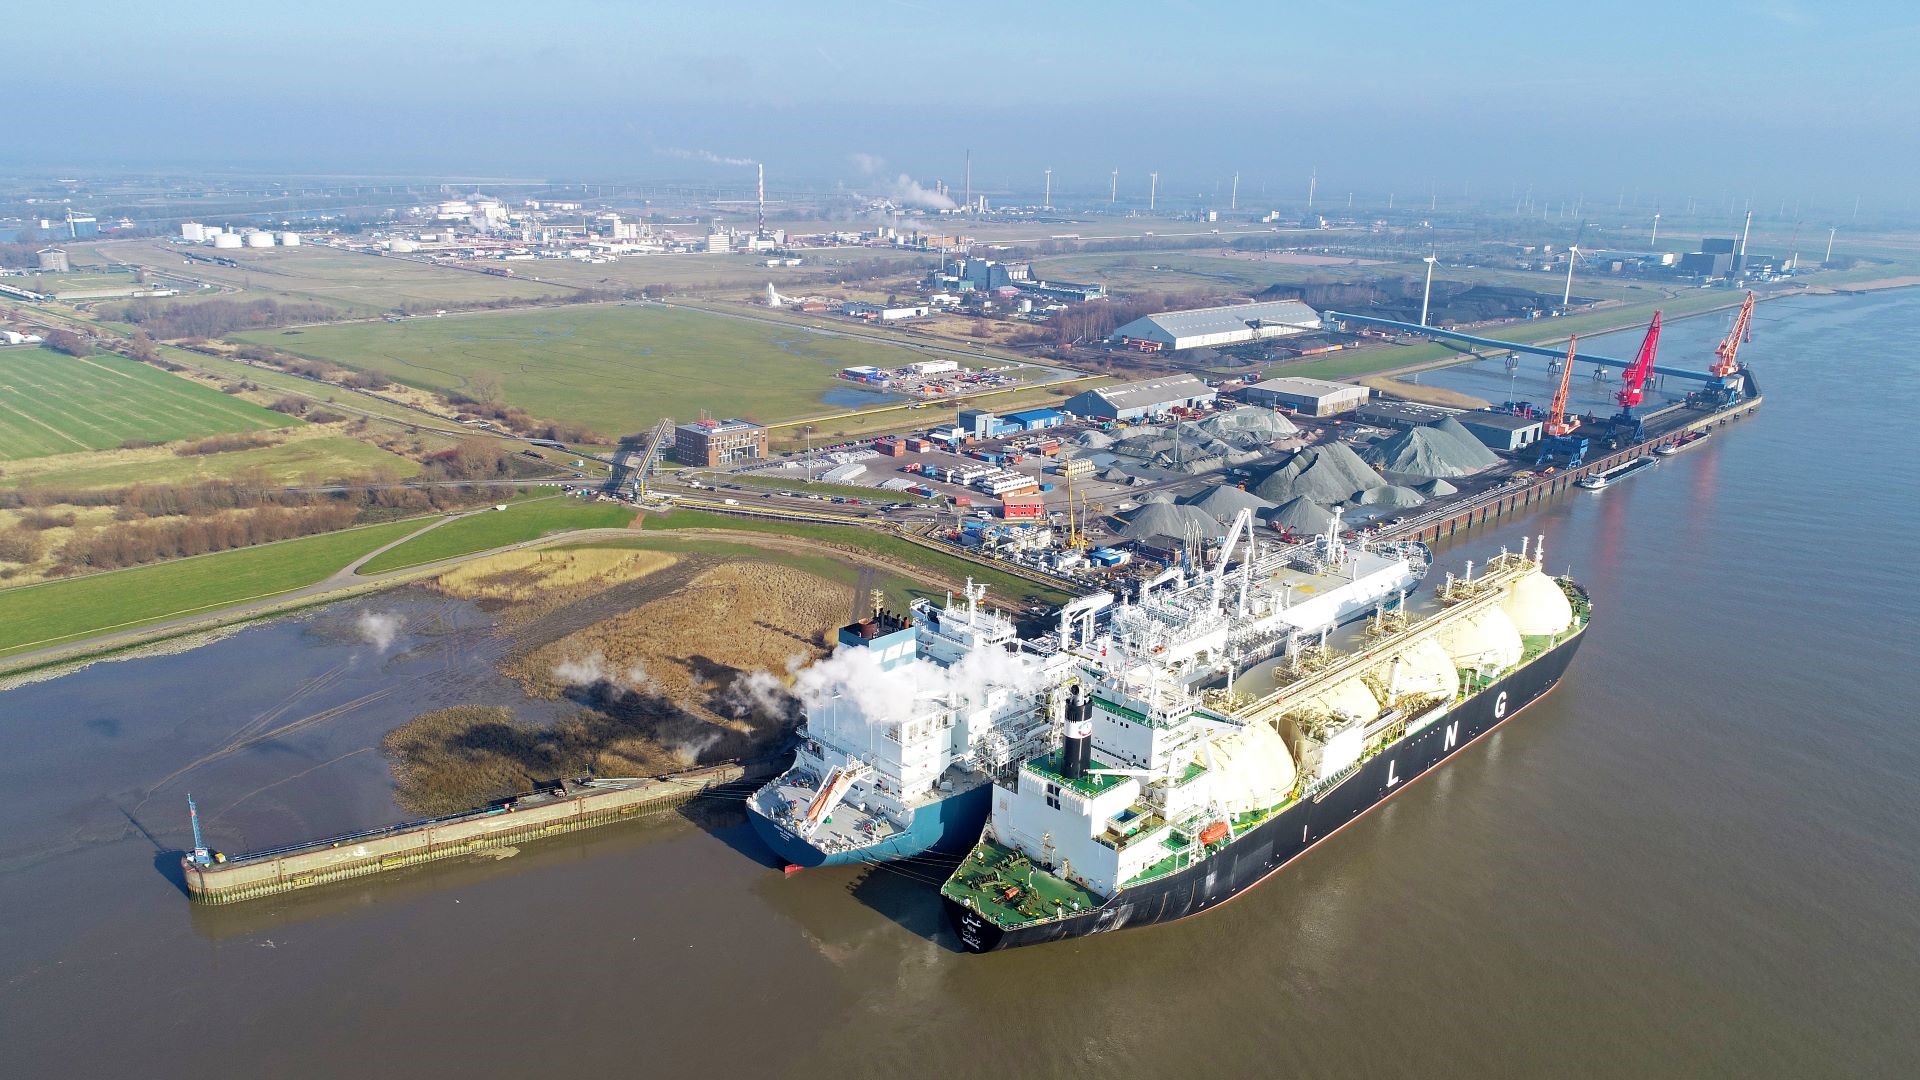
point(59, 612)
point(485, 530)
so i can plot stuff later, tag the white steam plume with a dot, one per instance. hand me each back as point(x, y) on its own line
point(707, 156)
point(757, 692)
point(909, 192)
point(379, 631)
point(594, 669)
point(849, 689)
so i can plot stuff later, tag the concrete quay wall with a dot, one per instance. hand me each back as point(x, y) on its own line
point(249, 877)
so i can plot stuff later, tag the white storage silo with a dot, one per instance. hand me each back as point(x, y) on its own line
point(289, 239)
point(259, 239)
point(226, 240)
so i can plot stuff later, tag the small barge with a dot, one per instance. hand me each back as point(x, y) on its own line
point(1616, 474)
point(1687, 439)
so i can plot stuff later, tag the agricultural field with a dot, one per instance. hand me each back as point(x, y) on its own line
point(614, 368)
point(353, 283)
point(733, 274)
point(307, 455)
point(39, 616)
point(51, 403)
point(80, 279)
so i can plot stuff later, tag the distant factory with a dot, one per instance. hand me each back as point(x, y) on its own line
point(1235, 324)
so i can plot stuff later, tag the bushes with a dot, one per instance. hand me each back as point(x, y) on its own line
point(66, 341)
point(45, 519)
point(220, 444)
point(214, 318)
point(18, 545)
point(134, 543)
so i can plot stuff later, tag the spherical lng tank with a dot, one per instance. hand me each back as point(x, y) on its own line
point(1537, 606)
point(1486, 639)
point(1251, 769)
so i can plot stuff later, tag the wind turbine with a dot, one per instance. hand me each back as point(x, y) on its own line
point(1046, 202)
point(1113, 196)
point(1654, 242)
point(1153, 190)
point(1573, 256)
point(1425, 298)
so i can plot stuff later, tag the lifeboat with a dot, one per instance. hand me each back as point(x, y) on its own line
point(1214, 833)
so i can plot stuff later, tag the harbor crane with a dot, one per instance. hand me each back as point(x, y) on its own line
point(1633, 384)
point(1727, 372)
point(1562, 440)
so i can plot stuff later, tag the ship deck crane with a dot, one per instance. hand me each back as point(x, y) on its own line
point(1633, 388)
point(1727, 371)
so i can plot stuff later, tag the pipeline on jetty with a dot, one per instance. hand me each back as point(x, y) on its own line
point(568, 806)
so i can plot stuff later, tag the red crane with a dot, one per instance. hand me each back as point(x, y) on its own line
point(1728, 351)
point(1634, 379)
point(1558, 422)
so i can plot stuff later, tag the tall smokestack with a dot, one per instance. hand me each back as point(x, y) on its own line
point(1077, 752)
point(969, 181)
point(760, 198)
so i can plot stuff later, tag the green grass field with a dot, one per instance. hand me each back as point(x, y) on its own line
point(616, 368)
point(312, 460)
point(38, 616)
point(354, 283)
point(488, 529)
point(51, 403)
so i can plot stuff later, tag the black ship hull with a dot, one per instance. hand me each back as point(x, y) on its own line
point(1254, 856)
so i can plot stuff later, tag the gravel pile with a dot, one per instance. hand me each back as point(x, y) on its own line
point(1224, 501)
point(1302, 515)
point(1391, 496)
point(1440, 449)
point(1326, 474)
point(1168, 519)
point(1435, 489)
point(1246, 425)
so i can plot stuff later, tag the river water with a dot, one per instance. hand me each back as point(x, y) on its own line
point(1699, 857)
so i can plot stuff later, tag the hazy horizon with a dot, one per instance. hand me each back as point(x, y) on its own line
point(1770, 102)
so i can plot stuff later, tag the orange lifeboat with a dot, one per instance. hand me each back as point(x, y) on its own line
point(1214, 833)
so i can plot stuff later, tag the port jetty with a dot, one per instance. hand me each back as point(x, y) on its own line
point(565, 806)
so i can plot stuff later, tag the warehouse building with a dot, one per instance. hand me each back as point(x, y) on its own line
point(1134, 401)
point(1037, 419)
point(1502, 431)
point(981, 424)
point(713, 443)
point(1308, 397)
point(1171, 331)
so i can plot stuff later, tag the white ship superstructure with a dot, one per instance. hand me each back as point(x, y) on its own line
point(907, 714)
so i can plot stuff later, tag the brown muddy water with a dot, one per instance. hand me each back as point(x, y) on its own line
point(1699, 857)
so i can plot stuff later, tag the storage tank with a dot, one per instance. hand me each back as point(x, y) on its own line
point(259, 239)
point(1348, 700)
point(289, 239)
point(1424, 670)
point(1252, 769)
point(193, 232)
point(226, 240)
point(1537, 606)
point(1485, 639)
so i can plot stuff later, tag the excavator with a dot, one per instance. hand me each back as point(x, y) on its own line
point(1563, 445)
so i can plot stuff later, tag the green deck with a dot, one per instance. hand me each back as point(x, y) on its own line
point(990, 870)
point(1048, 766)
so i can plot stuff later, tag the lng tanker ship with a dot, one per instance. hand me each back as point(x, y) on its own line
point(912, 717)
point(1168, 797)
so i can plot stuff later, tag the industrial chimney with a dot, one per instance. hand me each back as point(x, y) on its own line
point(1077, 752)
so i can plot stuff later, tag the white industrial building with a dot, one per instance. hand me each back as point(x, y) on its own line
point(1171, 331)
point(1308, 397)
point(1134, 401)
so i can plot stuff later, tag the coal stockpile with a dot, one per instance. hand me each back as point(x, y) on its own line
point(1432, 450)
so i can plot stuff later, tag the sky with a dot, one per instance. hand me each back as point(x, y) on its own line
point(1769, 100)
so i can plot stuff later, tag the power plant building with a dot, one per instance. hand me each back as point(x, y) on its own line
point(1133, 401)
point(1308, 397)
point(1235, 324)
point(714, 443)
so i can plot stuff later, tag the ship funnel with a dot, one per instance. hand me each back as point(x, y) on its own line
point(1076, 753)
